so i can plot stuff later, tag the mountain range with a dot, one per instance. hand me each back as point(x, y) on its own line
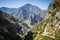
point(28, 13)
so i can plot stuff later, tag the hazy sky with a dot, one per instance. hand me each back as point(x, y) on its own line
point(43, 4)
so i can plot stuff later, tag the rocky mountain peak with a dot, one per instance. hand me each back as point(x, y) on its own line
point(29, 12)
point(28, 4)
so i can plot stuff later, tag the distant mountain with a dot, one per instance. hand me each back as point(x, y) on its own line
point(29, 14)
point(7, 10)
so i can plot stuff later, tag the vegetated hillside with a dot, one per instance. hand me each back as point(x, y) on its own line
point(49, 28)
point(8, 28)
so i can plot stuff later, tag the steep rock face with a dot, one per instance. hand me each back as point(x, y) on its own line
point(54, 20)
point(49, 28)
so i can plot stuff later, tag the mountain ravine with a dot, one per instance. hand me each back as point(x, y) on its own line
point(18, 26)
